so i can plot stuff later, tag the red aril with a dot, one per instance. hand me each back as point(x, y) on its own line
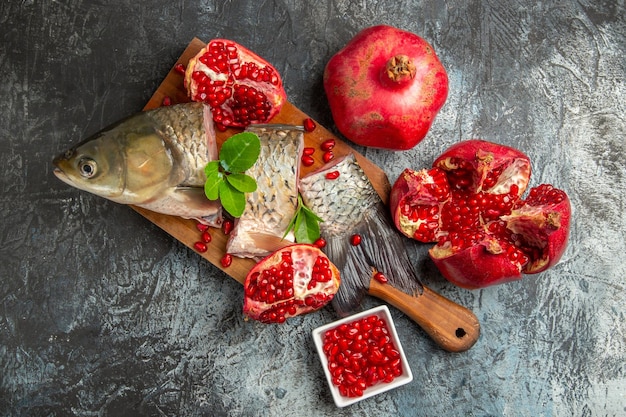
point(295, 280)
point(361, 354)
point(240, 87)
point(309, 125)
point(471, 204)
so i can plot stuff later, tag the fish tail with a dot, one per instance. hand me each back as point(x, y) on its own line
point(381, 250)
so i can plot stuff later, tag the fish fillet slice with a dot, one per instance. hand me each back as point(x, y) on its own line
point(269, 210)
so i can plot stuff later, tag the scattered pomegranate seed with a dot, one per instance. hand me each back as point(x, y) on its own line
point(355, 240)
point(167, 101)
point(327, 145)
point(180, 68)
point(202, 227)
point(308, 151)
point(361, 354)
point(320, 242)
point(380, 277)
point(227, 226)
point(200, 247)
point(328, 156)
point(307, 160)
point(333, 175)
point(226, 260)
point(206, 236)
point(309, 125)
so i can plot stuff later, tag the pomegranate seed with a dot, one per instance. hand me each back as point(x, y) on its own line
point(380, 277)
point(320, 242)
point(355, 240)
point(328, 156)
point(308, 151)
point(206, 236)
point(307, 160)
point(309, 125)
point(180, 68)
point(167, 101)
point(357, 359)
point(226, 260)
point(327, 145)
point(227, 226)
point(202, 227)
point(333, 175)
point(200, 247)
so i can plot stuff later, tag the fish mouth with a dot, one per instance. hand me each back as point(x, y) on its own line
point(60, 174)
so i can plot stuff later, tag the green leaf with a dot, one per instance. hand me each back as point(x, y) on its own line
point(242, 182)
point(211, 168)
point(308, 229)
point(305, 224)
point(233, 200)
point(240, 152)
point(211, 186)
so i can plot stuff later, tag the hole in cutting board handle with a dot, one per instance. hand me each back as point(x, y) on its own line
point(460, 333)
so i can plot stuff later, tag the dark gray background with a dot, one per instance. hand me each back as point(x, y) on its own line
point(101, 313)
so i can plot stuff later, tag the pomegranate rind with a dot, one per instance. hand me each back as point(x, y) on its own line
point(424, 189)
point(475, 267)
point(272, 89)
point(482, 157)
point(369, 111)
point(304, 257)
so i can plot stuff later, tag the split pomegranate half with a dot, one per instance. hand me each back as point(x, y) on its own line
point(295, 280)
point(471, 204)
point(240, 87)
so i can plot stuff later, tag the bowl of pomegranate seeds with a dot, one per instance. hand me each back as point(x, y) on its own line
point(361, 356)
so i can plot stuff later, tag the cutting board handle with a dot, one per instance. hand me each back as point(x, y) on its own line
point(452, 326)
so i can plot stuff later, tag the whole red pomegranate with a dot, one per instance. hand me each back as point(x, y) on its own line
point(385, 88)
point(470, 204)
point(240, 87)
point(295, 280)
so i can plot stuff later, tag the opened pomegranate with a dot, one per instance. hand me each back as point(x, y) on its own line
point(471, 204)
point(385, 88)
point(294, 280)
point(240, 86)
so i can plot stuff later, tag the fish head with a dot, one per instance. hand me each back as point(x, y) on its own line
point(95, 165)
point(128, 163)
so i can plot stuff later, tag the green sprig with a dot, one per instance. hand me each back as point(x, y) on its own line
point(226, 179)
point(305, 224)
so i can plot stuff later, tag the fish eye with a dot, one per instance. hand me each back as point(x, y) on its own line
point(87, 167)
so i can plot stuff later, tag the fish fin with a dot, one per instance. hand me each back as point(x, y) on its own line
point(381, 249)
point(188, 203)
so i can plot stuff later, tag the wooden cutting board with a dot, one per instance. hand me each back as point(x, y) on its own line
point(185, 230)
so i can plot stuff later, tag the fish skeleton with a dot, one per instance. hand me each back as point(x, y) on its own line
point(269, 210)
point(154, 159)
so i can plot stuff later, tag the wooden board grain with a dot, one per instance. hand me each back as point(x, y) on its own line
point(185, 230)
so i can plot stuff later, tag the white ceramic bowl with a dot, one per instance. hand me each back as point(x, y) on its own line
point(405, 378)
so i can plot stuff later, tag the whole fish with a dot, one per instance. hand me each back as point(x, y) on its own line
point(154, 159)
point(269, 210)
point(342, 195)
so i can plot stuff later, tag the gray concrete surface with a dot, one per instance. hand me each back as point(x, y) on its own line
point(101, 313)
